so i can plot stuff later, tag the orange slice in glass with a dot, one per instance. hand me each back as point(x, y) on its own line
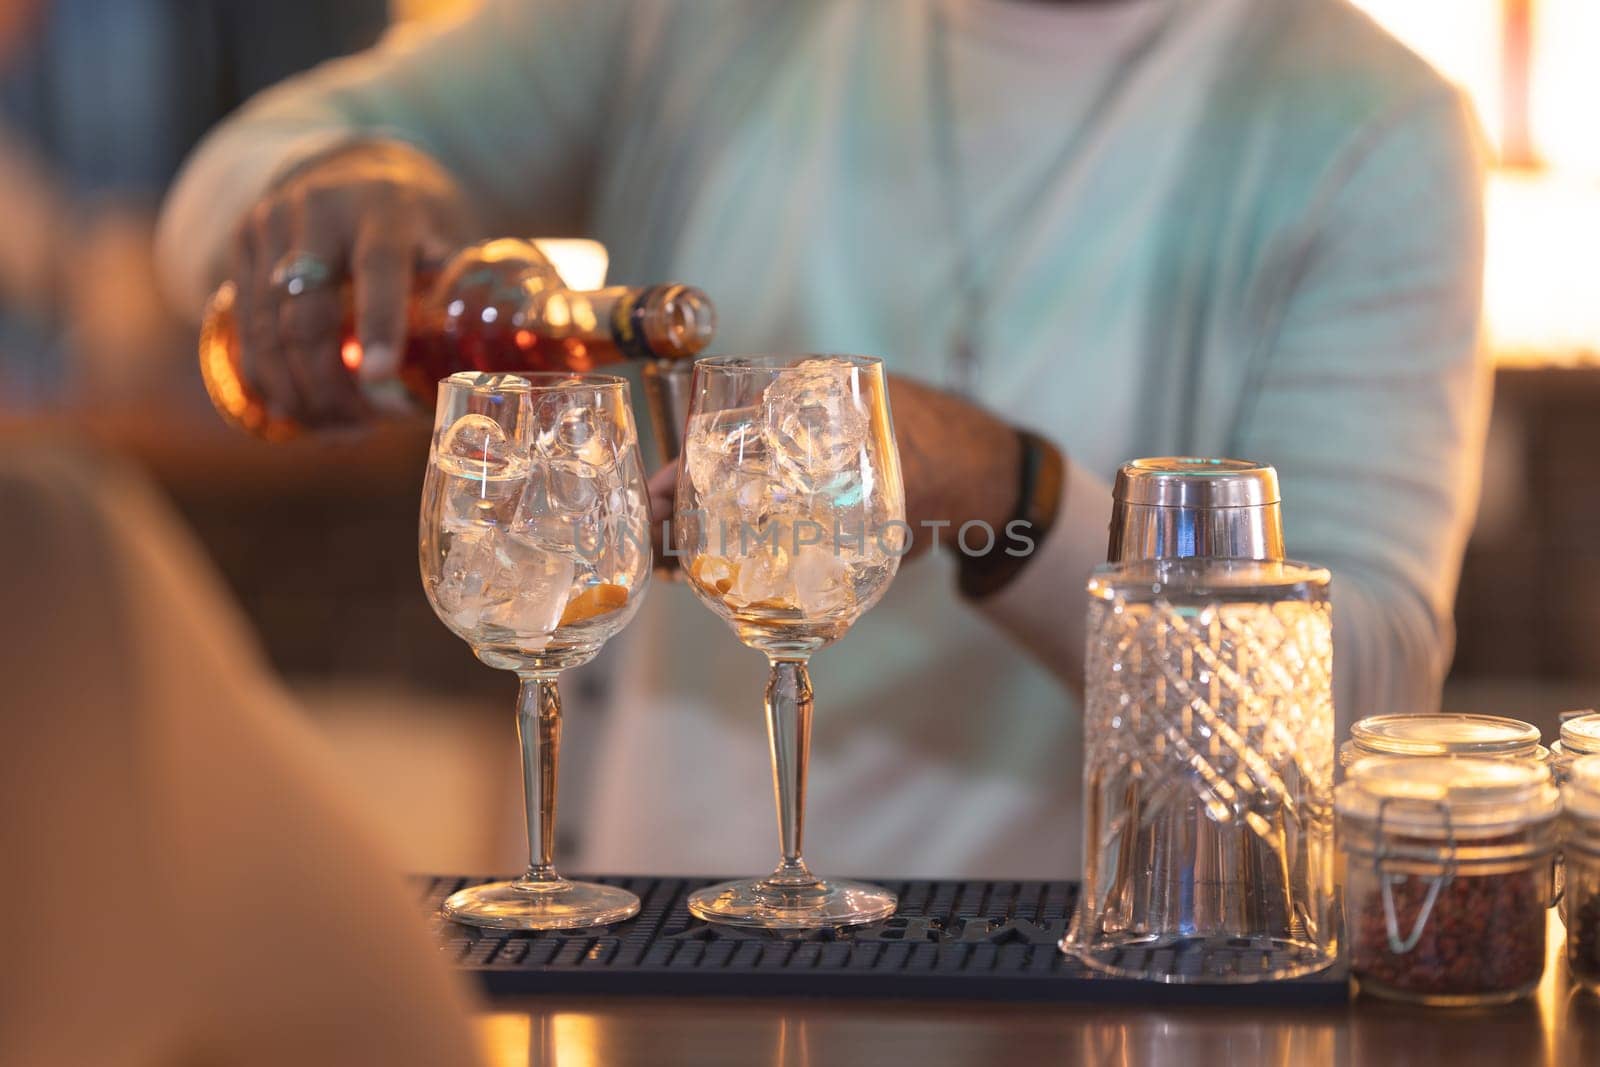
point(714, 572)
point(594, 601)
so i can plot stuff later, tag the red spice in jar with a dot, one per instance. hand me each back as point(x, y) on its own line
point(1484, 936)
point(1583, 940)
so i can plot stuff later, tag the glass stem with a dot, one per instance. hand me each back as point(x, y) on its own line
point(539, 732)
point(789, 735)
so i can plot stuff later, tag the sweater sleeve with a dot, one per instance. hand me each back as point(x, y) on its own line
point(1372, 399)
point(1043, 609)
point(510, 98)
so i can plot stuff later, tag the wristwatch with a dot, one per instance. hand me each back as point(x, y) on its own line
point(1042, 477)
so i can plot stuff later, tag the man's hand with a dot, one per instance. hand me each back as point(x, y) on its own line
point(368, 212)
point(959, 462)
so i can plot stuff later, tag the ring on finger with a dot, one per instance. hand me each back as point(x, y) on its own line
point(299, 273)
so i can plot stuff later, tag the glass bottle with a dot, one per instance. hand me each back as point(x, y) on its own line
point(1486, 736)
point(496, 306)
point(1581, 852)
point(1449, 874)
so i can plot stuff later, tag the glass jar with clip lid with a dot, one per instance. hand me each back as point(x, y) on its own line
point(1450, 872)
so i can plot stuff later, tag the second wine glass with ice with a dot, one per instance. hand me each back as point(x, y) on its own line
point(790, 518)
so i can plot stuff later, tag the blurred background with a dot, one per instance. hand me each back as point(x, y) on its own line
point(101, 99)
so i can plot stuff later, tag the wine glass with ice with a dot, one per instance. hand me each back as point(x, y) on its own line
point(534, 547)
point(790, 515)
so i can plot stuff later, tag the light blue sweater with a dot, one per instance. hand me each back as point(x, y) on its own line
point(1268, 245)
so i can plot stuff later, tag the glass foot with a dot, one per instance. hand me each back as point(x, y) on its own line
point(523, 905)
point(765, 905)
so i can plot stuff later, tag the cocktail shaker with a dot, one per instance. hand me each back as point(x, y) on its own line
point(1209, 734)
point(1176, 507)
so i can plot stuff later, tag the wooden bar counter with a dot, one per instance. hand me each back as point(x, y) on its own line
point(1557, 1028)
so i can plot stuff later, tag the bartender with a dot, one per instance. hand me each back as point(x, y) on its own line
point(1132, 227)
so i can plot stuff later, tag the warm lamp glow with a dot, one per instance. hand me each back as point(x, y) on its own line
point(505, 1038)
point(412, 10)
point(558, 310)
point(1542, 283)
point(582, 264)
point(540, 1039)
point(350, 354)
point(1462, 39)
point(1564, 93)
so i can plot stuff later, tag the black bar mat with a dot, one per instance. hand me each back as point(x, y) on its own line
point(948, 940)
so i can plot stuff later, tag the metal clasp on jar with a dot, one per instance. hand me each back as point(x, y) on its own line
point(1386, 882)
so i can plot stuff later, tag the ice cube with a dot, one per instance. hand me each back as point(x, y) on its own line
point(476, 446)
point(821, 580)
point(483, 472)
point(564, 509)
point(763, 577)
point(494, 578)
point(466, 577)
point(575, 487)
point(570, 429)
point(819, 420)
point(581, 433)
point(479, 502)
point(626, 529)
point(723, 449)
point(529, 589)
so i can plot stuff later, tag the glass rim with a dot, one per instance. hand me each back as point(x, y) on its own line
point(528, 381)
point(1581, 734)
point(1444, 734)
point(773, 362)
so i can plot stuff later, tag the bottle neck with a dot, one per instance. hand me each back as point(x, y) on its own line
point(668, 321)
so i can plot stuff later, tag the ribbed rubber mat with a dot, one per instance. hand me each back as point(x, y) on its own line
point(948, 940)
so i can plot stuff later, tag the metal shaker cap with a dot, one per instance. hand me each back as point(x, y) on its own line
point(1190, 482)
point(1180, 507)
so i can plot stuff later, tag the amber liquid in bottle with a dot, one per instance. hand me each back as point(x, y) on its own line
point(496, 306)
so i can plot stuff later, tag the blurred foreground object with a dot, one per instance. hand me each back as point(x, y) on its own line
point(99, 102)
point(184, 882)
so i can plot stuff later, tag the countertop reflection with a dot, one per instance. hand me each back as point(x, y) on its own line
point(1559, 1027)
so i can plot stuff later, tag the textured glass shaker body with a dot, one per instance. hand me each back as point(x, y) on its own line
point(1209, 774)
